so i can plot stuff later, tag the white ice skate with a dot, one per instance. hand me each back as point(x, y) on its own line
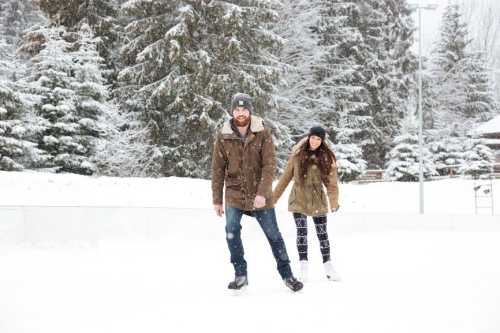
point(330, 272)
point(304, 270)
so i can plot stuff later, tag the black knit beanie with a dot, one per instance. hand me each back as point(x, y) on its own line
point(318, 131)
point(241, 99)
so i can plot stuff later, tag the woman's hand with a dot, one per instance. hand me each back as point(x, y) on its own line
point(334, 209)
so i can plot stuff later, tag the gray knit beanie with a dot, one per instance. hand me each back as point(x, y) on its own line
point(240, 99)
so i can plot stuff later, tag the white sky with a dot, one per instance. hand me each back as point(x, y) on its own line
point(432, 18)
point(430, 24)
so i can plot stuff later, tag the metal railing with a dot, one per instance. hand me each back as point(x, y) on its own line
point(377, 175)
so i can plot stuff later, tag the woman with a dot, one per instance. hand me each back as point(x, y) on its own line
point(311, 164)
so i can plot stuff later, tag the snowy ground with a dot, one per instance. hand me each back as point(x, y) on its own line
point(165, 268)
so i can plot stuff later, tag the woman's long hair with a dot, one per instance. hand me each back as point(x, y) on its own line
point(324, 160)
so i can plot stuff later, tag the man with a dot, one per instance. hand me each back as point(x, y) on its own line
point(244, 159)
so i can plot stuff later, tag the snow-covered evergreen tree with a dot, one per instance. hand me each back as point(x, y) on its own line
point(430, 105)
point(184, 60)
point(339, 32)
point(66, 77)
point(451, 46)
point(15, 151)
point(449, 57)
point(302, 97)
point(100, 15)
point(480, 103)
point(15, 17)
point(393, 79)
point(370, 68)
point(447, 154)
point(403, 163)
point(462, 83)
point(477, 159)
point(350, 162)
point(6, 61)
point(122, 151)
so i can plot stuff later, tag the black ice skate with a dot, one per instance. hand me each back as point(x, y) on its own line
point(293, 284)
point(238, 283)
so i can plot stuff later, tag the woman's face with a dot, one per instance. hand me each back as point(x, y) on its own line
point(314, 142)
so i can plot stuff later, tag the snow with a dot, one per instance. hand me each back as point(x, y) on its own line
point(102, 254)
point(491, 126)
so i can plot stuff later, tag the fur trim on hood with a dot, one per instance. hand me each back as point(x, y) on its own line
point(256, 125)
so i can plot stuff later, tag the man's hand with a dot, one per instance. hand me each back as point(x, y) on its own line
point(219, 210)
point(259, 201)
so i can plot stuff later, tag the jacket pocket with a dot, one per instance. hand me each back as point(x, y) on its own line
point(233, 168)
point(233, 183)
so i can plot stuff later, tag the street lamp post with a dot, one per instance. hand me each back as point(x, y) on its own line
point(419, 8)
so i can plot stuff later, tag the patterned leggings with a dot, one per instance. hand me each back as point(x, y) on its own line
point(321, 232)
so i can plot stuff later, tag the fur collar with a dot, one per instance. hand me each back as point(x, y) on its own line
point(296, 148)
point(256, 125)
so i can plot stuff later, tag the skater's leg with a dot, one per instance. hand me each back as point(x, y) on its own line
point(320, 224)
point(234, 243)
point(301, 224)
point(268, 223)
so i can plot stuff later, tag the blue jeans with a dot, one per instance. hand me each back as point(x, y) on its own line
point(267, 221)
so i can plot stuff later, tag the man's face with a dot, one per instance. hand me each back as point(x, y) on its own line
point(241, 116)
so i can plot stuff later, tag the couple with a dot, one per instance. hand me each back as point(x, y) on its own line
point(244, 160)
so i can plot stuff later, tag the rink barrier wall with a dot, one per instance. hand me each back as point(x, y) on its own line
point(86, 223)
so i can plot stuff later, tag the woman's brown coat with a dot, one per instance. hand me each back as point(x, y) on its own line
point(308, 198)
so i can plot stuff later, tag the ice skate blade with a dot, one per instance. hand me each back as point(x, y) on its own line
point(334, 278)
point(238, 292)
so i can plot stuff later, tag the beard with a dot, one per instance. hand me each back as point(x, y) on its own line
point(242, 121)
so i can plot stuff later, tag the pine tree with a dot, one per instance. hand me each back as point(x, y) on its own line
point(462, 90)
point(302, 97)
point(15, 17)
point(6, 61)
point(6, 47)
point(393, 78)
point(184, 61)
point(447, 154)
point(339, 30)
point(122, 152)
point(66, 77)
point(480, 103)
point(478, 158)
point(430, 98)
point(403, 164)
point(370, 69)
point(404, 159)
point(15, 151)
point(462, 85)
point(100, 15)
point(453, 41)
point(350, 163)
